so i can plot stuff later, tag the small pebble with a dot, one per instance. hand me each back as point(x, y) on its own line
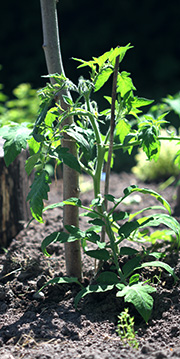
point(38, 295)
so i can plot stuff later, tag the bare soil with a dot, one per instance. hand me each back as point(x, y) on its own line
point(50, 327)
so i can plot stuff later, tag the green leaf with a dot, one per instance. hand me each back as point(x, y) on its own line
point(127, 251)
point(107, 278)
point(93, 288)
point(138, 295)
point(124, 83)
point(52, 238)
point(161, 199)
point(109, 197)
point(157, 219)
point(119, 51)
point(61, 237)
point(92, 236)
point(38, 192)
point(67, 100)
point(31, 162)
point(174, 103)
point(80, 138)
point(159, 264)
point(117, 216)
point(122, 129)
point(134, 279)
point(97, 222)
point(33, 145)
point(60, 280)
point(42, 115)
point(140, 101)
point(67, 157)
point(128, 227)
point(103, 76)
point(16, 140)
point(131, 216)
point(130, 266)
point(150, 143)
point(101, 254)
point(75, 232)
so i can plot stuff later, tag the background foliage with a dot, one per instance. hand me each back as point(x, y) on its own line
point(89, 30)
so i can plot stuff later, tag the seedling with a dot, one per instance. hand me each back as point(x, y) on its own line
point(125, 329)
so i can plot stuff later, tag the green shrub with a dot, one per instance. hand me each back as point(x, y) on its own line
point(23, 108)
point(163, 168)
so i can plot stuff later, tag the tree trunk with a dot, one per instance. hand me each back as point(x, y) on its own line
point(14, 187)
point(52, 51)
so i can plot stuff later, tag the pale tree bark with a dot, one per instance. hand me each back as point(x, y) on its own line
point(52, 50)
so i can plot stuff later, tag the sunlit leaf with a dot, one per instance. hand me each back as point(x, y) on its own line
point(139, 295)
point(16, 140)
point(103, 76)
point(124, 83)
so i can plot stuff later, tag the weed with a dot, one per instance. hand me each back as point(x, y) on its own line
point(125, 329)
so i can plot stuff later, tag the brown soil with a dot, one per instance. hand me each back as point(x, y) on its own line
point(50, 327)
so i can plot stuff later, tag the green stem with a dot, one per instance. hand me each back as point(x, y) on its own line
point(100, 152)
point(113, 247)
point(137, 143)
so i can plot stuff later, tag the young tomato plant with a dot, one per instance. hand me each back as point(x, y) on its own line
point(98, 134)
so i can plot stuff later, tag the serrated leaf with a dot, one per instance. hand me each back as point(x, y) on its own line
point(138, 295)
point(124, 83)
point(150, 143)
point(102, 78)
point(93, 288)
point(140, 101)
point(101, 254)
point(119, 51)
point(38, 192)
point(68, 159)
point(16, 140)
point(79, 138)
point(122, 129)
point(31, 162)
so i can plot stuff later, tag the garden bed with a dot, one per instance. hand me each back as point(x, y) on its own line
point(50, 327)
